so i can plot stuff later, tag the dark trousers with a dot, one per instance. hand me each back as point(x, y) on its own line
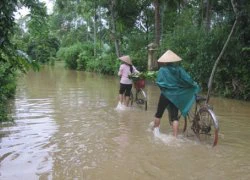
point(164, 103)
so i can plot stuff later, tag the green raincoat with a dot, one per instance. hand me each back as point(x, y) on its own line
point(177, 85)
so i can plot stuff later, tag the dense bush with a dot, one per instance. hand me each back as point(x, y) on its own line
point(7, 88)
point(199, 50)
point(71, 54)
point(82, 60)
point(106, 64)
point(140, 59)
point(80, 57)
point(42, 50)
point(135, 45)
point(233, 78)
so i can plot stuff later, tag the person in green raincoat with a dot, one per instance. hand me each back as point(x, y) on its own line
point(178, 91)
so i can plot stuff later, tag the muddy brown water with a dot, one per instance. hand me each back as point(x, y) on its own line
point(66, 127)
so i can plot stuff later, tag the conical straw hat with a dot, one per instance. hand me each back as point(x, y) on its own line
point(169, 56)
point(126, 59)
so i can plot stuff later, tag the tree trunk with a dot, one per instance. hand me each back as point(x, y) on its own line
point(208, 15)
point(164, 5)
point(157, 22)
point(95, 21)
point(113, 31)
point(202, 12)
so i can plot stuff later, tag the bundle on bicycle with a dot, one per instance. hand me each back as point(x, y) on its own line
point(139, 96)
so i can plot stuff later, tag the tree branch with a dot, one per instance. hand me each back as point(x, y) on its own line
point(234, 4)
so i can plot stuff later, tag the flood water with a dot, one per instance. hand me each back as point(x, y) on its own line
point(66, 127)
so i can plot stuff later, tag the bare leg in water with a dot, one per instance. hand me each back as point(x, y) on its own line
point(126, 101)
point(175, 128)
point(175, 125)
point(121, 98)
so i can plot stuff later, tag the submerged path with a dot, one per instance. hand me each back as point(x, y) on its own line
point(66, 127)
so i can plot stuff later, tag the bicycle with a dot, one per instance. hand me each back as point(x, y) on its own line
point(203, 122)
point(140, 96)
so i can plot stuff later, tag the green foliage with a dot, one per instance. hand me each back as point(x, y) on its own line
point(74, 55)
point(135, 45)
point(11, 60)
point(82, 60)
point(38, 22)
point(75, 35)
point(80, 56)
point(126, 14)
point(140, 59)
point(7, 21)
point(106, 64)
point(234, 76)
point(191, 31)
point(42, 50)
point(149, 75)
point(41, 45)
point(199, 49)
point(83, 27)
point(7, 79)
point(7, 88)
point(10, 63)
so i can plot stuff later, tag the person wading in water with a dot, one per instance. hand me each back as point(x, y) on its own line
point(178, 91)
point(126, 69)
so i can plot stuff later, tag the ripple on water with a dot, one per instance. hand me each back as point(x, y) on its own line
point(26, 143)
point(67, 119)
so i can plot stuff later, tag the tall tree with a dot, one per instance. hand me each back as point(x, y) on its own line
point(157, 22)
point(11, 59)
point(114, 35)
point(208, 15)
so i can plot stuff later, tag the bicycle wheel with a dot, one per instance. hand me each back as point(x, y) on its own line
point(206, 126)
point(141, 98)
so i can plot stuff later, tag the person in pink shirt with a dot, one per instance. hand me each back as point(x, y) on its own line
point(126, 69)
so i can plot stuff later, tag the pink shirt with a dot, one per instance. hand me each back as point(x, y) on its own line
point(124, 72)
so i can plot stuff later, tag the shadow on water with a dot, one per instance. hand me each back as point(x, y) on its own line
point(66, 127)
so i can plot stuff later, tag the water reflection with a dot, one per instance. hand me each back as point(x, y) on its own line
point(27, 142)
point(66, 127)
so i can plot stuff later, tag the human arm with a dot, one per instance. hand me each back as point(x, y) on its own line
point(135, 70)
point(160, 79)
point(120, 71)
point(186, 77)
point(188, 80)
